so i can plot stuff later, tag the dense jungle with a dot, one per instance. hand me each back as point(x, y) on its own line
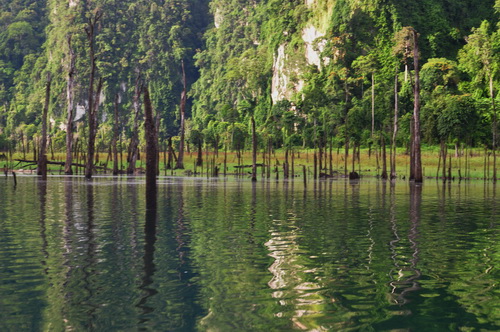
point(380, 79)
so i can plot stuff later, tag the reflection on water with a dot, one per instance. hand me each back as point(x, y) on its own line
point(149, 250)
point(292, 286)
point(407, 273)
point(225, 255)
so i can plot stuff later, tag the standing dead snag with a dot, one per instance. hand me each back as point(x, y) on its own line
point(71, 112)
point(180, 159)
point(134, 141)
point(395, 128)
point(406, 43)
point(495, 127)
point(115, 135)
point(151, 143)
point(254, 151)
point(417, 162)
point(93, 101)
point(42, 157)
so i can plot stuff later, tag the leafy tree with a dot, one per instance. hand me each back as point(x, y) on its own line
point(480, 58)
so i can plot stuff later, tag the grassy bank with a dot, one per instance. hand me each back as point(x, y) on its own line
point(471, 164)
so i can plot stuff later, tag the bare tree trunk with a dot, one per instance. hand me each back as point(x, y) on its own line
point(494, 145)
point(51, 148)
point(225, 159)
point(331, 157)
point(359, 158)
point(395, 125)
point(346, 92)
point(151, 143)
point(418, 176)
point(92, 104)
point(449, 168)
point(165, 149)
point(35, 148)
point(75, 153)
point(384, 160)
point(373, 104)
point(23, 145)
point(412, 149)
point(439, 164)
point(443, 157)
point(354, 157)
point(42, 157)
point(199, 158)
point(254, 151)
point(115, 136)
point(70, 86)
point(180, 159)
point(346, 155)
point(89, 167)
point(169, 164)
point(484, 164)
point(315, 161)
point(320, 155)
point(134, 141)
point(157, 139)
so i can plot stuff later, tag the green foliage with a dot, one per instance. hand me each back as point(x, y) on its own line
point(480, 58)
point(440, 74)
point(229, 49)
point(239, 134)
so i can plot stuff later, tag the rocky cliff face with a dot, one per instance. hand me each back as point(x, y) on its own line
point(289, 62)
point(300, 38)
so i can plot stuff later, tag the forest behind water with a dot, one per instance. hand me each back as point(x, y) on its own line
point(232, 76)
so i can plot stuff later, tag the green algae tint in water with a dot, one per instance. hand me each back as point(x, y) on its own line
point(221, 255)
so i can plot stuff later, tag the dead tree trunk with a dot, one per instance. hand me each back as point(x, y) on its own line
point(70, 107)
point(170, 154)
point(395, 126)
point(115, 136)
point(157, 139)
point(23, 145)
point(42, 157)
point(412, 149)
point(443, 157)
point(354, 157)
point(89, 168)
point(151, 143)
point(134, 141)
point(495, 128)
point(254, 151)
point(93, 96)
point(346, 155)
point(373, 104)
point(417, 160)
point(384, 160)
point(180, 159)
point(199, 158)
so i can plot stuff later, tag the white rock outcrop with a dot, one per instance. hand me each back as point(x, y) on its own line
point(280, 79)
point(315, 45)
point(218, 18)
point(283, 87)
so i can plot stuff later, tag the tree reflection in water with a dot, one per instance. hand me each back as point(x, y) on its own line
point(291, 283)
point(149, 254)
point(407, 274)
point(337, 255)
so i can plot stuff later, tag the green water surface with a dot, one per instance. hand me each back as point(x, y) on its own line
point(227, 255)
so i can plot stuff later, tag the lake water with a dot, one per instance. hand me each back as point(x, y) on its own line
point(226, 255)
